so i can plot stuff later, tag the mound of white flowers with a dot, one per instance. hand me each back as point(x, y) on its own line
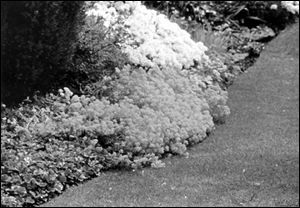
point(291, 6)
point(154, 41)
point(164, 100)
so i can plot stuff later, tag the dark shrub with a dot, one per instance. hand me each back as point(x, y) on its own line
point(37, 44)
point(98, 51)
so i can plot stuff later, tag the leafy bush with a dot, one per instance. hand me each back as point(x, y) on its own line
point(98, 52)
point(39, 41)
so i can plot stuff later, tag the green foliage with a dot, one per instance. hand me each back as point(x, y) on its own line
point(199, 11)
point(98, 52)
point(35, 168)
point(246, 13)
point(213, 40)
point(39, 44)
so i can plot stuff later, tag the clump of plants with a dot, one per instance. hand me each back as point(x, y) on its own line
point(98, 52)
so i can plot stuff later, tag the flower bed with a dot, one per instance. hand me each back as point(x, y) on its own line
point(165, 99)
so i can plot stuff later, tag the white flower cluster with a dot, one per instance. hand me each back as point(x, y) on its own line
point(291, 6)
point(166, 108)
point(154, 39)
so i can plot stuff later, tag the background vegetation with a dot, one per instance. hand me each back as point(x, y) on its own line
point(38, 45)
point(47, 45)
